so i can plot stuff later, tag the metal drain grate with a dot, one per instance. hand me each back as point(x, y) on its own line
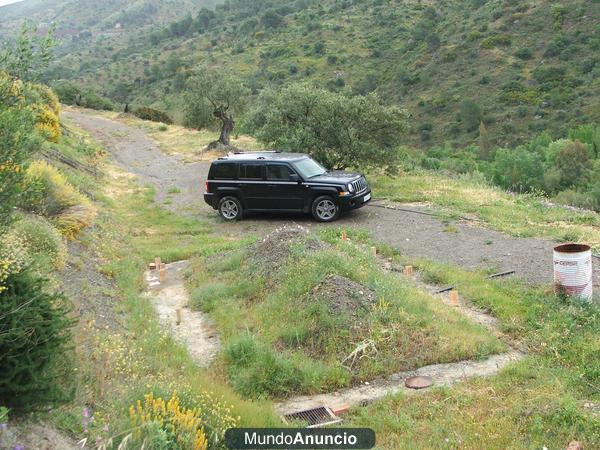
point(316, 417)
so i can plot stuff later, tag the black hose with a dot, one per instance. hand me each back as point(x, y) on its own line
point(489, 277)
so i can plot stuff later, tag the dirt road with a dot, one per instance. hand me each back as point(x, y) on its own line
point(468, 245)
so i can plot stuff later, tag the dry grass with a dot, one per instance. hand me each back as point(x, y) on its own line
point(179, 140)
point(191, 143)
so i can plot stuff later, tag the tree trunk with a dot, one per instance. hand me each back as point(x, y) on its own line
point(227, 124)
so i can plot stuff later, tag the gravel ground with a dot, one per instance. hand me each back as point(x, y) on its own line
point(36, 437)
point(93, 294)
point(467, 244)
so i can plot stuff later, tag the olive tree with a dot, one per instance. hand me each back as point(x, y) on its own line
point(337, 129)
point(214, 96)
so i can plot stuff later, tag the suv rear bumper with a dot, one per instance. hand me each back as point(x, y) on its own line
point(355, 201)
point(210, 199)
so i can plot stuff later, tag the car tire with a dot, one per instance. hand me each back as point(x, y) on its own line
point(325, 209)
point(230, 208)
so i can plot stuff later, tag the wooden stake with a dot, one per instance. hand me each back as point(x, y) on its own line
point(374, 251)
point(408, 271)
point(454, 297)
point(162, 275)
point(157, 263)
point(344, 236)
point(179, 315)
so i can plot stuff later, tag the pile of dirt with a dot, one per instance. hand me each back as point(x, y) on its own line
point(270, 253)
point(344, 296)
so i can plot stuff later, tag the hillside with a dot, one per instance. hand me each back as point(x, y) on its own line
point(521, 67)
point(98, 15)
point(80, 24)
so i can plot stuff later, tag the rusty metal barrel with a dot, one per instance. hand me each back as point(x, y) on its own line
point(573, 270)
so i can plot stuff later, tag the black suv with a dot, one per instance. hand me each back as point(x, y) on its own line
point(275, 181)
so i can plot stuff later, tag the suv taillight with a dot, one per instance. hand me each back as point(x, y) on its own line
point(206, 185)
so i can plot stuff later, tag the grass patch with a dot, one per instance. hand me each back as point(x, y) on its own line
point(539, 401)
point(118, 367)
point(340, 299)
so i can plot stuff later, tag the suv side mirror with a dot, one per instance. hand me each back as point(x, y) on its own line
point(294, 177)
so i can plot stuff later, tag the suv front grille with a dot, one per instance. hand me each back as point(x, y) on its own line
point(359, 185)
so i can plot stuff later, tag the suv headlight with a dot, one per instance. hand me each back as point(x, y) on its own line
point(350, 187)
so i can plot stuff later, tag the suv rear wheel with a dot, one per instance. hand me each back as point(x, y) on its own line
point(325, 209)
point(230, 208)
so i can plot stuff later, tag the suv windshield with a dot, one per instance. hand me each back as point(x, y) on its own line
point(309, 168)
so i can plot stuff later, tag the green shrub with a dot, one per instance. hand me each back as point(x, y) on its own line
point(474, 35)
point(43, 241)
point(515, 93)
point(524, 53)
point(94, 100)
point(497, 40)
point(18, 141)
point(69, 93)
point(572, 162)
point(549, 74)
point(35, 345)
point(265, 372)
point(319, 48)
point(152, 114)
point(517, 169)
point(73, 94)
point(471, 114)
point(579, 199)
point(588, 134)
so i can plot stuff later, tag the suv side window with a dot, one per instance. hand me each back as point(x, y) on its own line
point(251, 171)
point(224, 171)
point(279, 172)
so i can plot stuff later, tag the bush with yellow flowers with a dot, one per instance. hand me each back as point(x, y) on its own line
point(169, 422)
point(45, 106)
point(51, 195)
point(13, 257)
point(48, 123)
point(44, 244)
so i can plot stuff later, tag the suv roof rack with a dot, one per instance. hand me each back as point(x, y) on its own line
point(255, 152)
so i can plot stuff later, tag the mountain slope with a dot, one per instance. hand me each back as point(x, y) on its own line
point(79, 22)
point(519, 66)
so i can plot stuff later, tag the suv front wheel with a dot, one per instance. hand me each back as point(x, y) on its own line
point(230, 208)
point(325, 209)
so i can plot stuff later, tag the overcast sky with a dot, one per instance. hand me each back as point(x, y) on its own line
point(8, 2)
